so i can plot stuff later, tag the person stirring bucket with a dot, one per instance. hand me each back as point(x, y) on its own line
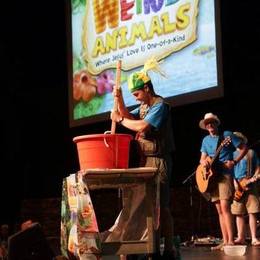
point(151, 121)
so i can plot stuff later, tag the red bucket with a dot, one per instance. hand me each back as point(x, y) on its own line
point(104, 151)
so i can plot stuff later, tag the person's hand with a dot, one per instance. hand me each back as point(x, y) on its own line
point(253, 179)
point(115, 116)
point(205, 163)
point(117, 92)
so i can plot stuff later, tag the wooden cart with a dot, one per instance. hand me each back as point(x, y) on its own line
point(124, 178)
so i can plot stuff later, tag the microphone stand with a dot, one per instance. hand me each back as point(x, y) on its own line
point(189, 178)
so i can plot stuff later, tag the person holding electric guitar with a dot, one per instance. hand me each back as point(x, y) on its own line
point(217, 162)
point(246, 198)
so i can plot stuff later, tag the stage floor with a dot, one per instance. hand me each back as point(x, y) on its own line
point(204, 253)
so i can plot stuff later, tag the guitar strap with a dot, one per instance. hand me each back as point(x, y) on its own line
point(249, 163)
point(220, 139)
point(217, 165)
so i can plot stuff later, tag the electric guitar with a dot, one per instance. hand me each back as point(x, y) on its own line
point(205, 175)
point(242, 186)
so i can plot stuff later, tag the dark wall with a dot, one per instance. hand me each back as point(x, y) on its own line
point(36, 141)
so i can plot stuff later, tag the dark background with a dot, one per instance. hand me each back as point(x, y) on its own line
point(36, 142)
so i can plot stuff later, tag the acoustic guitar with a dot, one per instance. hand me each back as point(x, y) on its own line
point(242, 186)
point(205, 176)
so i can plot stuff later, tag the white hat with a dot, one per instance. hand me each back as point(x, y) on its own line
point(241, 136)
point(207, 118)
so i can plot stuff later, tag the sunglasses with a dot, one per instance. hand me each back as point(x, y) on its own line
point(210, 123)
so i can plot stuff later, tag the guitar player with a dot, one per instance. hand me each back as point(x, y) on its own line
point(221, 193)
point(246, 200)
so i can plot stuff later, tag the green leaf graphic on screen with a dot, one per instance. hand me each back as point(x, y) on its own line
point(85, 109)
point(77, 3)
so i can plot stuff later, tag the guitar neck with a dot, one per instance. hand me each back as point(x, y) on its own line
point(226, 141)
point(244, 182)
